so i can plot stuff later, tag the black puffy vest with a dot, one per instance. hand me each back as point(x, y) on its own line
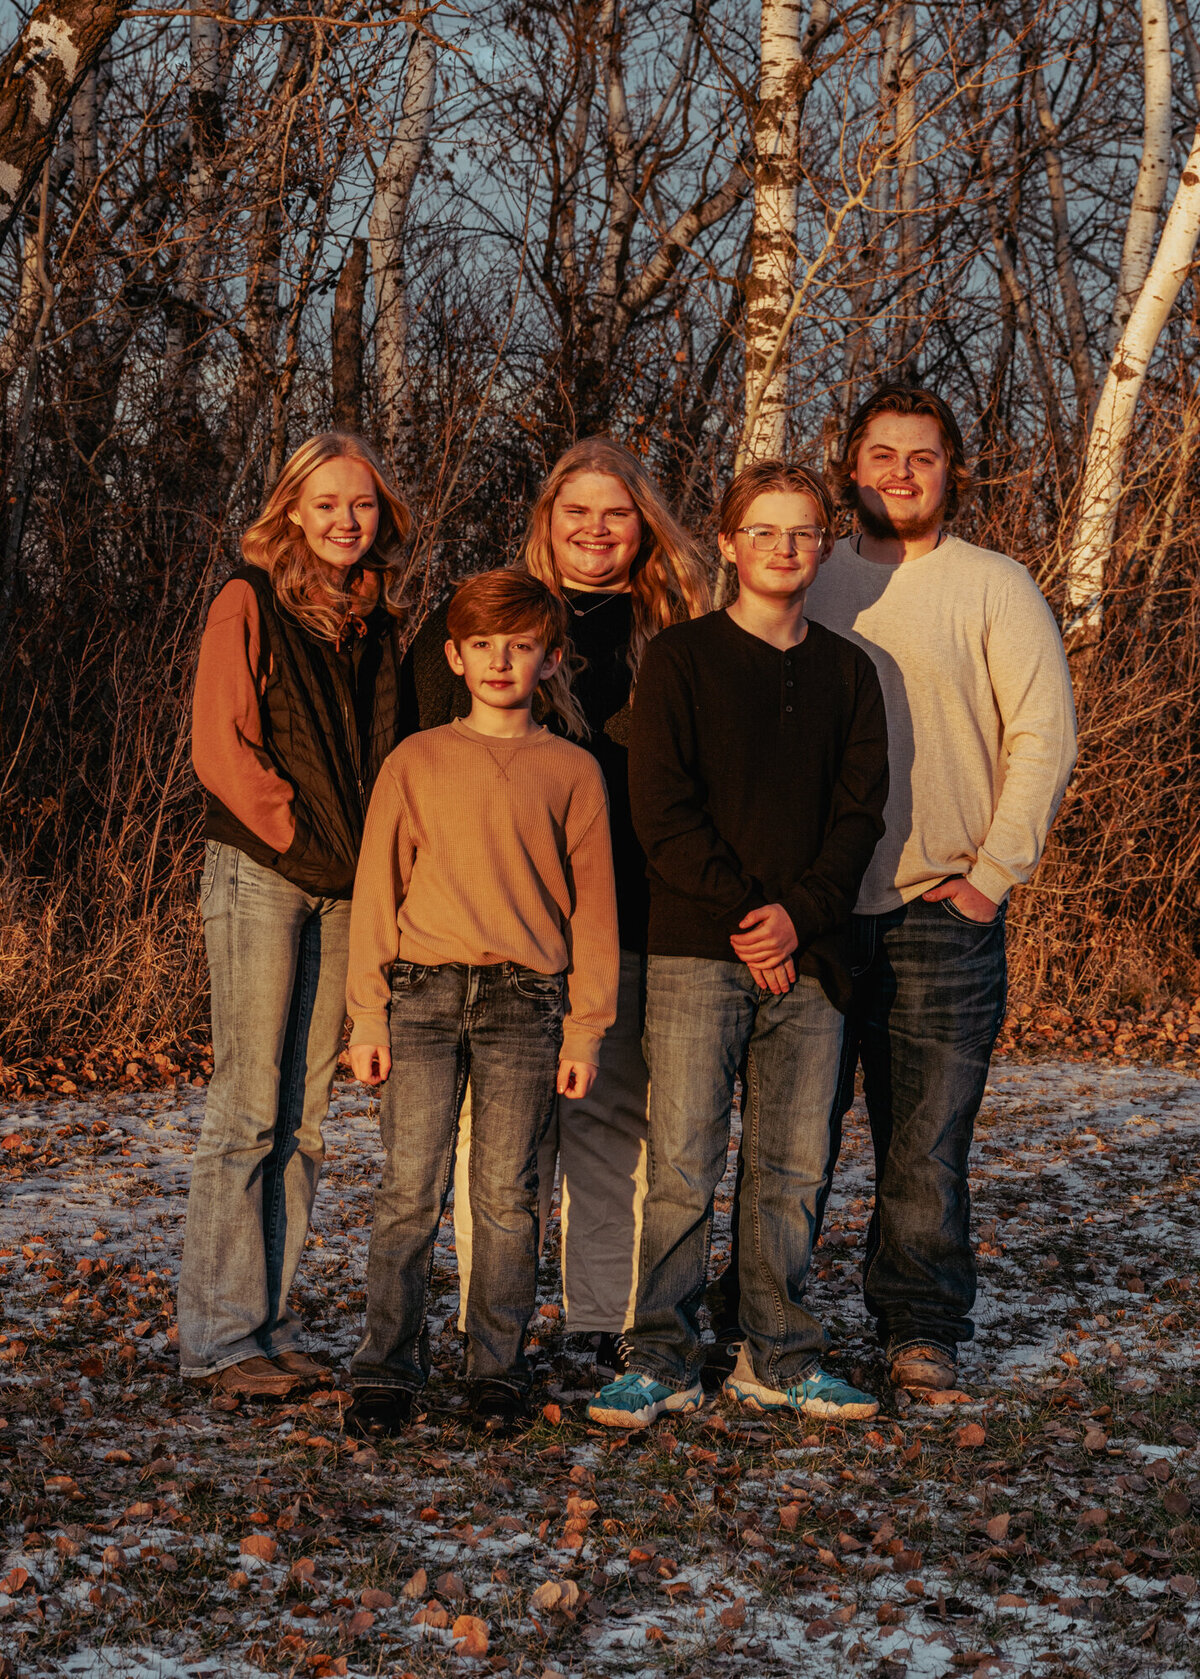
point(329, 717)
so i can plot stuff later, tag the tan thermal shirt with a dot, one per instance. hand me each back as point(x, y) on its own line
point(981, 722)
point(480, 850)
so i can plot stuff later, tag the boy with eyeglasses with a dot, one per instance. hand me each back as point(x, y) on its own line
point(758, 775)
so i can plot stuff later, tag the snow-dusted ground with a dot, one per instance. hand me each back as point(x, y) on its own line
point(1064, 1543)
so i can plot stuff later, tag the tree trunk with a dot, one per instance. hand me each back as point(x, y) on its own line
point(1142, 228)
point(38, 78)
point(781, 92)
point(1103, 476)
point(905, 325)
point(393, 189)
point(348, 340)
point(1064, 262)
point(185, 317)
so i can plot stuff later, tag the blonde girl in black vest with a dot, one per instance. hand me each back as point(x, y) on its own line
point(299, 698)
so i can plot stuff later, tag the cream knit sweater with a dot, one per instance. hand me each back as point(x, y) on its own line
point(981, 722)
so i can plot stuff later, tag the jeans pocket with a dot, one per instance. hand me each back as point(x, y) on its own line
point(208, 875)
point(537, 988)
point(408, 976)
point(969, 920)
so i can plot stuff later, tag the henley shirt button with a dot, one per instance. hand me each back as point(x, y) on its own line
point(787, 708)
point(789, 683)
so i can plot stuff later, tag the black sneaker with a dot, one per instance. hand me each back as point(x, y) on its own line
point(720, 1359)
point(379, 1413)
point(496, 1405)
point(610, 1358)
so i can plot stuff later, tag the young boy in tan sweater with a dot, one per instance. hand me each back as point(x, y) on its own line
point(483, 944)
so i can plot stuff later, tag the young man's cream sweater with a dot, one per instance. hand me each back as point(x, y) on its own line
point(981, 722)
point(481, 850)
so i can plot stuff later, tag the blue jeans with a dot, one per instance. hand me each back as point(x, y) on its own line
point(277, 965)
point(501, 1026)
point(702, 1018)
point(929, 995)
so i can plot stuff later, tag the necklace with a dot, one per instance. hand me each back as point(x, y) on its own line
point(586, 611)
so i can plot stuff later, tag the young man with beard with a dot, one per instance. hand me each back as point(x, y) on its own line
point(981, 731)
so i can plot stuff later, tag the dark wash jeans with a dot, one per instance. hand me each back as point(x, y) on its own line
point(501, 1026)
point(703, 1019)
point(929, 996)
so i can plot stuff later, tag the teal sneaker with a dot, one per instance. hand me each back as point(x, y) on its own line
point(633, 1401)
point(818, 1395)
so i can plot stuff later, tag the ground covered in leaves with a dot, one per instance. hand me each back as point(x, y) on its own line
point(1048, 1525)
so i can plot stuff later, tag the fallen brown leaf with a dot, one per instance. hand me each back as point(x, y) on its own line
point(470, 1636)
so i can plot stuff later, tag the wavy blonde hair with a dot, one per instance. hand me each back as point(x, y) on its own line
point(310, 590)
point(669, 581)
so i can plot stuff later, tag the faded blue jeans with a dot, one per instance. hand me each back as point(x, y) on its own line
point(277, 963)
point(929, 995)
point(501, 1027)
point(702, 1019)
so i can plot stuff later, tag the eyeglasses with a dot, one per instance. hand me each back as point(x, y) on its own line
point(764, 538)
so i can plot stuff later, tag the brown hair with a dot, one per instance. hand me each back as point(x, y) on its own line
point(764, 476)
point(310, 590)
point(669, 581)
point(903, 399)
point(505, 602)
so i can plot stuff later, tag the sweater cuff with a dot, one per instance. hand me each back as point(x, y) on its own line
point(985, 877)
point(579, 1043)
point(805, 919)
point(371, 1029)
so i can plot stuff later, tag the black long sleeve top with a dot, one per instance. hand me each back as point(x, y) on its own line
point(601, 626)
point(757, 776)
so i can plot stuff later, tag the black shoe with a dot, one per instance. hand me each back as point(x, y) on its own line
point(610, 1357)
point(496, 1405)
point(720, 1359)
point(379, 1413)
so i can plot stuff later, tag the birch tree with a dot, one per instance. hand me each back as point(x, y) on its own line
point(1112, 428)
point(394, 184)
point(38, 79)
point(784, 78)
point(1141, 230)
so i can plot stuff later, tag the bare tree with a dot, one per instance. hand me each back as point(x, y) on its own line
point(785, 76)
point(394, 182)
point(38, 78)
point(1141, 230)
point(1112, 428)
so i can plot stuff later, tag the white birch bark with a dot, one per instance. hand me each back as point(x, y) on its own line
point(394, 183)
point(38, 78)
point(1150, 188)
point(1103, 477)
point(622, 158)
point(1191, 48)
point(773, 236)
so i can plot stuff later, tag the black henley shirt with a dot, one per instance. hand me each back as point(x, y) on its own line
point(756, 776)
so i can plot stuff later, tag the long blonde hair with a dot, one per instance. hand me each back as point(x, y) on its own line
point(669, 581)
point(310, 590)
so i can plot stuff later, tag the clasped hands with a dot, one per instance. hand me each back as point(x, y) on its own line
point(765, 942)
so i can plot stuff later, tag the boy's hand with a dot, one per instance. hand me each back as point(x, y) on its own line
point(575, 1078)
point(370, 1063)
point(779, 980)
point(766, 938)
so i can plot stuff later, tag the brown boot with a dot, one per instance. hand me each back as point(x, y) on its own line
point(924, 1370)
point(299, 1364)
point(253, 1378)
